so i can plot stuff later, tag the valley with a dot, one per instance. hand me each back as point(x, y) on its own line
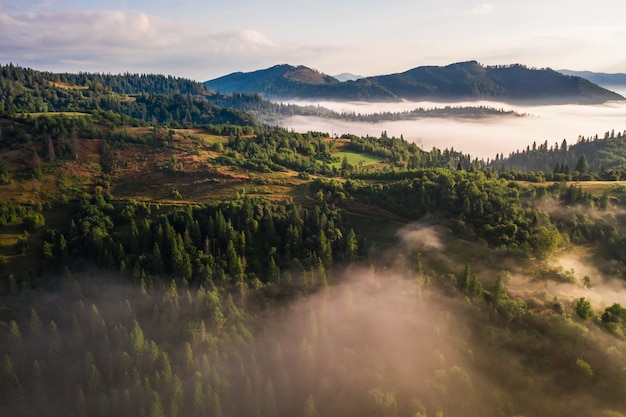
point(162, 254)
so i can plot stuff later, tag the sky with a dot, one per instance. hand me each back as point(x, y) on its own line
point(202, 40)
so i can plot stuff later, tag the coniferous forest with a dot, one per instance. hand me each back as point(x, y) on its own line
point(164, 254)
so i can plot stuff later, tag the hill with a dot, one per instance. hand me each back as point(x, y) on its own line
point(150, 268)
point(598, 157)
point(286, 81)
point(603, 79)
point(149, 98)
point(460, 81)
point(346, 76)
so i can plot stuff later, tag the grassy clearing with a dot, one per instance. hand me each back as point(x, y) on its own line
point(356, 159)
point(56, 113)
point(199, 134)
point(68, 86)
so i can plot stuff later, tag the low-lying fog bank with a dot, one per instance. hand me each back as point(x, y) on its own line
point(482, 138)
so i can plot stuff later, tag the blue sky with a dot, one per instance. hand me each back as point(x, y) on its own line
point(206, 39)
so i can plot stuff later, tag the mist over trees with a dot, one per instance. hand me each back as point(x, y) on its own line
point(154, 263)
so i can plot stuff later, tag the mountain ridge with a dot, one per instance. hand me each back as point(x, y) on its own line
point(603, 79)
point(468, 80)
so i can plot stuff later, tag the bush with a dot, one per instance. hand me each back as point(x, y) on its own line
point(23, 244)
point(33, 222)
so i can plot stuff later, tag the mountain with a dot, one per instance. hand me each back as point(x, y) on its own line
point(601, 78)
point(460, 81)
point(286, 81)
point(346, 76)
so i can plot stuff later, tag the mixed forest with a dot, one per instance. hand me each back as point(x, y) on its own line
point(164, 253)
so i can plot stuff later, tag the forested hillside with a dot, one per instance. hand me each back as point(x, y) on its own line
point(154, 263)
point(271, 112)
point(589, 158)
point(150, 98)
point(459, 81)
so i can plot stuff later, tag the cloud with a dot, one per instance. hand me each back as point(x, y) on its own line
point(128, 41)
point(481, 9)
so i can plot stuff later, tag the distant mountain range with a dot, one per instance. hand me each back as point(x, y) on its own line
point(460, 81)
point(346, 76)
point(600, 78)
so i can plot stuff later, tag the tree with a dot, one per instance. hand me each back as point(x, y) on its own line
point(614, 317)
point(383, 403)
point(137, 338)
point(581, 166)
point(51, 154)
point(584, 369)
point(351, 245)
point(324, 249)
point(310, 409)
point(583, 308)
point(16, 346)
point(233, 262)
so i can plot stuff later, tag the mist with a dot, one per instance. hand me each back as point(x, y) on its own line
point(380, 341)
point(482, 138)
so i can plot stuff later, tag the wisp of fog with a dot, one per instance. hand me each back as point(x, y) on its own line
point(482, 138)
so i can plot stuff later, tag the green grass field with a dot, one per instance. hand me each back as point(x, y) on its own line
point(57, 113)
point(355, 158)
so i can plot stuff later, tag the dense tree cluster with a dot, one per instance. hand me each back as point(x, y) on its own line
point(589, 158)
point(270, 111)
point(403, 155)
point(151, 98)
point(490, 210)
point(278, 150)
point(239, 243)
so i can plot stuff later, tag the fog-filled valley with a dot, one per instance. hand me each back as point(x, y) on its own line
point(481, 137)
point(164, 253)
point(402, 336)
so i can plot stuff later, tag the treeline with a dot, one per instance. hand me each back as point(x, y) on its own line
point(173, 344)
point(175, 350)
point(474, 205)
point(234, 243)
point(272, 111)
point(275, 149)
point(154, 99)
point(485, 208)
point(175, 110)
point(471, 112)
point(405, 156)
point(126, 83)
point(602, 158)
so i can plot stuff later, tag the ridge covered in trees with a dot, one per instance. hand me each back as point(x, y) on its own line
point(459, 81)
point(600, 158)
point(150, 98)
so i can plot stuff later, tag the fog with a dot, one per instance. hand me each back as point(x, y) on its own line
point(482, 138)
point(380, 341)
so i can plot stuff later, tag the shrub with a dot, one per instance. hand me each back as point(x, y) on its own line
point(33, 222)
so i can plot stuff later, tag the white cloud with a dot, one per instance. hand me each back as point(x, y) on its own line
point(124, 41)
point(481, 9)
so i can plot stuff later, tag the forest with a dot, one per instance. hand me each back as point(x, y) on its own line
point(215, 265)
